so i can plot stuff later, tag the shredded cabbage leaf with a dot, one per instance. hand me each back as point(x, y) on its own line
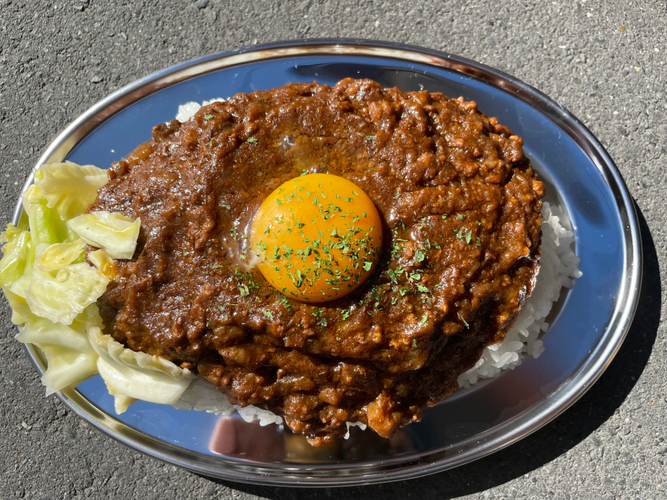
point(53, 292)
point(59, 255)
point(20, 309)
point(66, 367)
point(103, 262)
point(69, 355)
point(16, 250)
point(114, 232)
point(10, 233)
point(121, 402)
point(138, 375)
point(60, 296)
point(46, 226)
point(70, 188)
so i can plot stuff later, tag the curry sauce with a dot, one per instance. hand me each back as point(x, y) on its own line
point(460, 209)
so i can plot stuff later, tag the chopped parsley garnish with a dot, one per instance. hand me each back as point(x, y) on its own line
point(286, 303)
point(226, 207)
point(251, 140)
point(414, 341)
point(370, 137)
point(268, 314)
point(208, 117)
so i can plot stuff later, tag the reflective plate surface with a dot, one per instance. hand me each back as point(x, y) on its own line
point(585, 335)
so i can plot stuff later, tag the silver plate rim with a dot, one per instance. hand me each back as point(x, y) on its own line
point(333, 475)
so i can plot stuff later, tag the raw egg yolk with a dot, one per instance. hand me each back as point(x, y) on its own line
point(317, 237)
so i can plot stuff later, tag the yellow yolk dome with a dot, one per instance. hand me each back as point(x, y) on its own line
point(317, 237)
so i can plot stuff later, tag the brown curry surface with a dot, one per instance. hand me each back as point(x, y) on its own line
point(461, 213)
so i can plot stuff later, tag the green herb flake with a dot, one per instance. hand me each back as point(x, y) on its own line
point(370, 137)
point(268, 314)
point(208, 117)
point(251, 140)
point(423, 320)
point(367, 266)
point(226, 207)
point(286, 303)
point(414, 342)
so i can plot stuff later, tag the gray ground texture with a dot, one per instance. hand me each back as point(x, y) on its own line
point(602, 60)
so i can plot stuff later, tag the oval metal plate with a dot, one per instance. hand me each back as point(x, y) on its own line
point(584, 337)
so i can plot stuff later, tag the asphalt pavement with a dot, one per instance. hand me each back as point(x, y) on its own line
point(605, 61)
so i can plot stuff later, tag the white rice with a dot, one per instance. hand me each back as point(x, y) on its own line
point(558, 271)
point(202, 396)
point(188, 110)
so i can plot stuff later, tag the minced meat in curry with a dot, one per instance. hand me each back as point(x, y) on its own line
point(460, 209)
